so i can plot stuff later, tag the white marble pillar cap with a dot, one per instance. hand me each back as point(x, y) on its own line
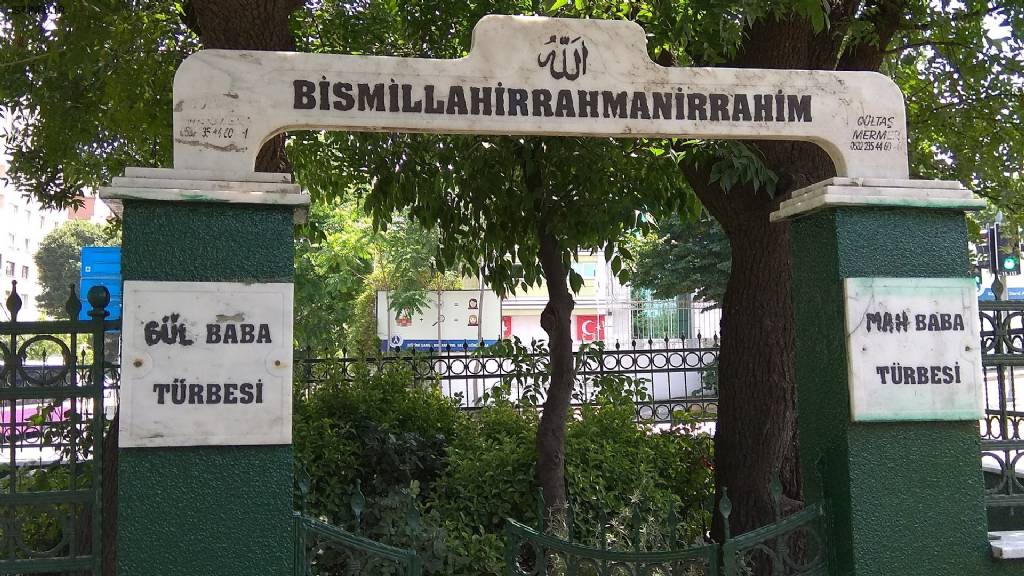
point(170, 185)
point(877, 192)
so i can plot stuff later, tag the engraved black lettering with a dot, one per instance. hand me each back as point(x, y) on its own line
point(799, 107)
point(695, 104)
point(343, 92)
point(564, 106)
point(740, 108)
point(517, 98)
point(614, 104)
point(195, 393)
point(638, 108)
point(304, 95)
point(542, 103)
point(480, 100)
point(161, 390)
point(371, 99)
point(587, 103)
point(456, 101)
point(719, 104)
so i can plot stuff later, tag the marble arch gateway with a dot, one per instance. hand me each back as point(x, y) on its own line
point(208, 247)
point(528, 75)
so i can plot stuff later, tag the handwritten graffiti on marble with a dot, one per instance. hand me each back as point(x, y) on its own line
point(560, 68)
point(169, 331)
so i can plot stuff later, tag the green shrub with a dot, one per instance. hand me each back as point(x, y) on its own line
point(379, 429)
point(613, 465)
point(443, 482)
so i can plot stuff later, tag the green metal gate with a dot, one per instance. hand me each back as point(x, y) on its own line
point(51, 436)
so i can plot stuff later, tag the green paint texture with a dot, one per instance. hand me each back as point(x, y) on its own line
point(906, 498)
point(206, 510)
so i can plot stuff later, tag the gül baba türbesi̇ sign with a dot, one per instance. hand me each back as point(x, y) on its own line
point(206, 363)
point(913, 349)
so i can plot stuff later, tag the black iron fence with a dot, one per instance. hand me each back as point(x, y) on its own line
point(54, 409)
point(1002, 430)
point(663, 381)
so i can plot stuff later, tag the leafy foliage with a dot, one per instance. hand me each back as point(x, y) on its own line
point(340, 264)
point(59, 261)
point(377, 429)
point(684, 257)
point(86, 90)
point(331, 263)
point(442, 481)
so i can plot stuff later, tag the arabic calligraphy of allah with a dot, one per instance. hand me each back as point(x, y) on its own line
point(551, 60)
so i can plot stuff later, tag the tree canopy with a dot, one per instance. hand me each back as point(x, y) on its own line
point(685, 257)
point(59, 260)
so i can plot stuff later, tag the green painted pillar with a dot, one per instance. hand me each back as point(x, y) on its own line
point(205, 510)
point(906, 496)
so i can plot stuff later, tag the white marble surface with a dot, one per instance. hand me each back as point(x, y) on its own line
point(1007, 545)
point(170, 185)
point(835, 192)
point(912, 349)
point(199, 420)
point(227, 103)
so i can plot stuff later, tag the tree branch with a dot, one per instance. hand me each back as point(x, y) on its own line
point(885, 16)
point(923, 43)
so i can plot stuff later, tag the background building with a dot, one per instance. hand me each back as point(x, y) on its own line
point(23, 225)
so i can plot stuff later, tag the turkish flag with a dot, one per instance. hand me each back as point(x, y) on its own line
point(506, 326)
point(589, 328)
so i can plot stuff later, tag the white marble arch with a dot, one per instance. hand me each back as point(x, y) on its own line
point(228, 103)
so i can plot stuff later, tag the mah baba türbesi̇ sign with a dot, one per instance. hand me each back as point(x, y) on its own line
point(913, 349)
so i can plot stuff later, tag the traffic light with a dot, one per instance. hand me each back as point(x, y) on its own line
point(983, 250)
point(1008, 253)
point(976, 274)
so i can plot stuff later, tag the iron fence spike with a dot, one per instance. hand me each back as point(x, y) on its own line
point(725, 509)
point(636, 521)
point(358, 503)
point(540, 510)
point(775, 491)
point(672, 524)
point(73, 306)
point(14, 301)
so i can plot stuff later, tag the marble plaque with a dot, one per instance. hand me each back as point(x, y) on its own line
point(206, 363)
point(913, 349)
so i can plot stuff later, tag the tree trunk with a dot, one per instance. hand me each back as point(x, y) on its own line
point(556, 320)
point(756, 419)
point(247, 25)
point(756, 430)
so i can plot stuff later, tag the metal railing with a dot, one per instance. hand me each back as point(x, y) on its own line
point(52, 418)
point(675, 320)
point(1002, 430)
point(664, 380)
point(322, 549)
point(794, 545)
